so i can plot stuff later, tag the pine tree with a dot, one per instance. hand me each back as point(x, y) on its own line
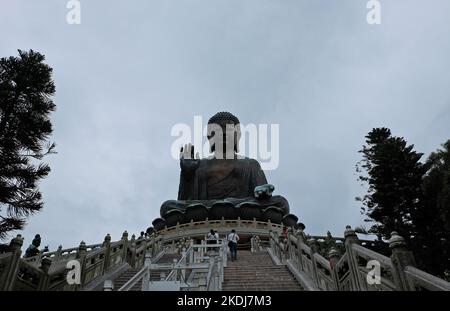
point(394, 178)
point(434, 221)
point(26, 87)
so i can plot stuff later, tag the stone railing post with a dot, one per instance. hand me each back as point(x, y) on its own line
point(270, 240)
point(108, 286)
point(300, 242)
point(124, 245)
point(269, 224)
point(334, 257)
point(314, 246)
point(147, 260)
point(258, 243)
point(106, 259)
point(291, 247)
point(133, 251)
point(9, 273)
point(146, 242)
point(45, 267)
point(183, 270)
point(58, 253)
point(220, 272)
point(252, 244)
point(154, 245)
point(172, 246)
point(401, 257)
point(350, 239)
point(81, 257)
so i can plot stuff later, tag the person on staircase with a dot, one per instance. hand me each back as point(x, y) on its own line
point(211, 238)
point(233, 239)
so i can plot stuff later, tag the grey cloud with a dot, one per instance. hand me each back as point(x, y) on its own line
point(131, 71)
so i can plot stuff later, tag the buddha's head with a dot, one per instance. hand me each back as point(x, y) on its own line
point(224, 132)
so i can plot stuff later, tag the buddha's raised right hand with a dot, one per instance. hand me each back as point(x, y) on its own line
point(187, 162)
point(187, 152)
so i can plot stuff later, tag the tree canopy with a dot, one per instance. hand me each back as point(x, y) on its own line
point(408, 196)
point(26, 87)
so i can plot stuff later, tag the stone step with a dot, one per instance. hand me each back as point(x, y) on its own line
point(252, 270)
point(275, 285)
point(286, 278)
point(260, 284)
point(259, 289)
point(257, 272)
point(250, 274)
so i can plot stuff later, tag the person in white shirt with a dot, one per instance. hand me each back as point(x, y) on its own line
point(212, 237)
point(233, 239)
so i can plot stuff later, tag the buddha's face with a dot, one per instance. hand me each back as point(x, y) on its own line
point(224, 139)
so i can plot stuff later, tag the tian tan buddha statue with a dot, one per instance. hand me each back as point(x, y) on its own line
point(225, 185)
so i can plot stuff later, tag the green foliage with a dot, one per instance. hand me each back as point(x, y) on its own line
point(407, 196)
point(434, 222)
point(26, 86)
point(394, 176)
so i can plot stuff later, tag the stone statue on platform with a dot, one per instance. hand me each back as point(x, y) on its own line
point(225, 185)
point(33, 249)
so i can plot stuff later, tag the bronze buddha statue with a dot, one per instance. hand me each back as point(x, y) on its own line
point(225, 185)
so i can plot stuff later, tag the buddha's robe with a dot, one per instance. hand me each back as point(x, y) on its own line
point(220, 179)
point(210, 180)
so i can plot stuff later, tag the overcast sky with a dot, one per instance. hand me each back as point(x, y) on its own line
point(133, 69)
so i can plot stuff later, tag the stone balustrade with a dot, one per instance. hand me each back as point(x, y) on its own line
point(358, 268)
point(48, 270)
point(318, 262)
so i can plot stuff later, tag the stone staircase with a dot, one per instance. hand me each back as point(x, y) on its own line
point(155, 275)
point(257, 272)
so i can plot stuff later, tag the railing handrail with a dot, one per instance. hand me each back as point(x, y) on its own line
point(365, 252)
point(177, 265)
point(426, 280)
point(134, 280)
point(210, 274)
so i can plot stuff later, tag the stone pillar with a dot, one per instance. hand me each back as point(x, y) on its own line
point(81, 257)
point(401, 257)
point(133, 251)
point(287, 247)
point(147, 260)
point(334, 257)
point(314, 246)
point(9, 273)
point(351, 238)
point(106, 259)
point(269, 224)
point(58, 253)
point(124, 245)
point(108, 286)
point(252, 244)
point(45, 267)
point(183, 271)
point(300, 242)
